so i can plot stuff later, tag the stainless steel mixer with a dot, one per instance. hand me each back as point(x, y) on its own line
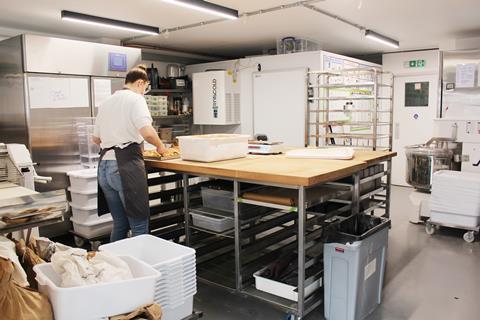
point(423, 160)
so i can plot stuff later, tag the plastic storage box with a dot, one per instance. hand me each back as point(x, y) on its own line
point(354, 267)
point(282, 289)
point(89, 151)
point(84, 214)
point(93, 228)
point(175, 290)
point(455, 198)
point(222, 200)
point(213, 147)
point(82, 198)
point(83, 180)
point(211, 222)
point(98, 301)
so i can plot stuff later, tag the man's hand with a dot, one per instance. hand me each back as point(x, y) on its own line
point(151, 136)
point(161, 149)
point(96, 140)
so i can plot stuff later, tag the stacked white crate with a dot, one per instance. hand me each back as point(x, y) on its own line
point(455, 198)
point(178, 284)
point(85, 218)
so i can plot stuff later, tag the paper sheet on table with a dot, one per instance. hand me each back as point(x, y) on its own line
point(102, 90)
point(322, 153)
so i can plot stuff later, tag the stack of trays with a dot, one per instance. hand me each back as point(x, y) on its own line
point(455, 198)
point(85, 219)
point(178, 284)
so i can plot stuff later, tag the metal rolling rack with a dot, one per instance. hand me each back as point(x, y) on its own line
point(352, 93)
point(230, 258)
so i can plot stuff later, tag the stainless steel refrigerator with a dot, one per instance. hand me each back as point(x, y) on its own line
point(45, 84)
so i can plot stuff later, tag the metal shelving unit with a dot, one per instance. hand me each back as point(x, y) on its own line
point(181, 123)
point(350, 107)
point(230, 258)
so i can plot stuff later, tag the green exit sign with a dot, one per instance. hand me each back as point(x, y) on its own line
point(415, 63)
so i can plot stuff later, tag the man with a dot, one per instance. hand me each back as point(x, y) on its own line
point(122, 124)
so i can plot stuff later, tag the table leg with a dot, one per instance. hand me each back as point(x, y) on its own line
point(186, 203)
point(301, 253)
point(238, 239)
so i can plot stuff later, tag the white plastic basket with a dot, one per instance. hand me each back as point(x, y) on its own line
point(94, 228)
point(87, 198)
point(98, 301)
point(155, 251)
point(174, 261)
point(84, 214)
point(83, 180)
point(179, 312)
point(282, 289)
point(211, 222)
point(213, 147)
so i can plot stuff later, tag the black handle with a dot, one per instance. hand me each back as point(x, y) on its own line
point(476, 164)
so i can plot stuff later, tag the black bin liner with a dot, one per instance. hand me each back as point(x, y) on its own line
point(355, 228)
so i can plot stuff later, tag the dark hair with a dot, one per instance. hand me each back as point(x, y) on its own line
point(136, 73)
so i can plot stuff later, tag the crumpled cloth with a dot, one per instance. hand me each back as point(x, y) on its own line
point(150, 312)
point(76, 268)
point(45, 247)
point(8, 252)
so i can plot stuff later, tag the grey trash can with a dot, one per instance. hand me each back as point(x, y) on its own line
point(354, 267)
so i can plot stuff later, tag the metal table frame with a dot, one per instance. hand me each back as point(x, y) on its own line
point(301, 309)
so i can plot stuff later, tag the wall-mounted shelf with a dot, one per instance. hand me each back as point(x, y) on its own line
point(184, 90)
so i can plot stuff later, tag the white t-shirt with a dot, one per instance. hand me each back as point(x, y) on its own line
point(119, 120)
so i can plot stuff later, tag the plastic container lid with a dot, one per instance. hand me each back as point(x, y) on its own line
point(102, 219)
point(86, 192)
point(85, 173)
point(86, 208)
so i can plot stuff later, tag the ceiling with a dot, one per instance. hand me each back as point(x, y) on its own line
point(416, 24)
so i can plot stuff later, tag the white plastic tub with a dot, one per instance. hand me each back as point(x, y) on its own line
point(211, 222)
point(454, 220)
point(83, 180)
point(282, 289)
point(213, 147)
point(84, 214)
point(155, 251)
point(180, 312)
point(86, 198)
point(174, 261)
point(98, 301)
point(93, 228)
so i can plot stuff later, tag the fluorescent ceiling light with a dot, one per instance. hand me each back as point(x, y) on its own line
point(382, 39)
point(207, 7)
point(111, 23)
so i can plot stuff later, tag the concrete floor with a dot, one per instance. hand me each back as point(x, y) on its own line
point(427, 277)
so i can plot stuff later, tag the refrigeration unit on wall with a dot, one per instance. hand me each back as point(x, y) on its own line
point(216, 98)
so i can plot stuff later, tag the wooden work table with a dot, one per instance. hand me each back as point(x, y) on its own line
point(277, 168)
point(302, 175)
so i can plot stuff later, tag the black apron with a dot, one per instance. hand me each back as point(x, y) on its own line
point(131, 167)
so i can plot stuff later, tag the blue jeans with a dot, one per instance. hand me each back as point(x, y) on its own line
point(111, 184)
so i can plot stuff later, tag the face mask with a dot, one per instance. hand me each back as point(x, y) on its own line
point(147, 89)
